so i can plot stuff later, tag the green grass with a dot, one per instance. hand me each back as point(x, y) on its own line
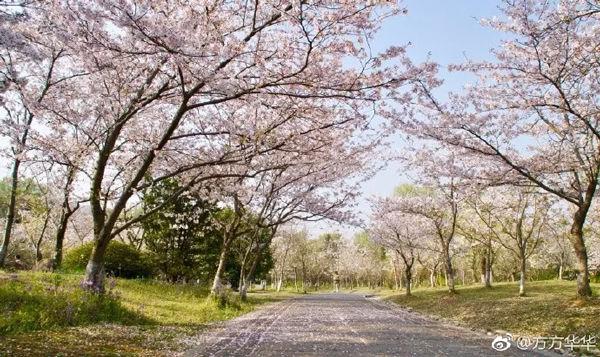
point(50, 315)
point(550, 308)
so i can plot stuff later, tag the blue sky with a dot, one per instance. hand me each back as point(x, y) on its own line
point(446, 31)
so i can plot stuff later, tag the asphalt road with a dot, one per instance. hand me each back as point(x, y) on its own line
point(341, 325)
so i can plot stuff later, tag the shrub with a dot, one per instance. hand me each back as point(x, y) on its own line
point(595, 276)
point(121, 260)
point(543, 273)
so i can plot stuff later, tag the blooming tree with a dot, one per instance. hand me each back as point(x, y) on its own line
point(198, 90)
point(519, 224)
point(531, 117)
point(405, 234)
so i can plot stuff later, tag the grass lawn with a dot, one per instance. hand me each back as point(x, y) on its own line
point(550, 308)
point(43, 314)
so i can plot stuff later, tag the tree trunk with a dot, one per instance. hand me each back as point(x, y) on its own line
point(303, 277)
point(483, 267)
point(282, 270)
point(94, 271)
point(38, 244)
point(449, 271)
point(10, 213)
point(523, 276)
point(244, 291)
point(59, 242)
point(296, 279)
point(66, 212)
point(241, 279)
point(488, 274)
point(408, 275)
point(217, 288)
point(488, 266)
point(560, 270)
point(248, 277)
point(245, 260)
point(432, 278)
point(583, 277)
point(395, 266)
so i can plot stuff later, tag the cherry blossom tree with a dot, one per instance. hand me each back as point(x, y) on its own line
point(401, 233)
point(519, 224)
point(531, 116)
point(476, 225)
point(557, 250)
point(438, 199)
point(282, 247)
point(312, 187)
point(165, 90)
point(28, 72)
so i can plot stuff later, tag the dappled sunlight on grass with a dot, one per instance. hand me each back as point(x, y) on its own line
point(50, 314)
point(30, 302)
point(550, 308)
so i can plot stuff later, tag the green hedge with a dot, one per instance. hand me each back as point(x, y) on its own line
point(121, 260)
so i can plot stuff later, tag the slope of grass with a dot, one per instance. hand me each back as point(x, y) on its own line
point(550, 308)
point(48, 314)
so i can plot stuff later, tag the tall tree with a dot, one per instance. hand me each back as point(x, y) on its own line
point(402, 233)
point(28, 73)
point(220, 84)
point(182, 234)
point(531, 117)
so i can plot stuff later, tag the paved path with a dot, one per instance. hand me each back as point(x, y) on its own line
point(341, 325)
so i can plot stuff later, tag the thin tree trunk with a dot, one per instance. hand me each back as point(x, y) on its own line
point(65, 215)
point(258, 255)
point(249, 276)
point(432, 278)
point(59, 242)
point(10, 213)
point(408, 275)
point(449, 271)
point(242, 281)
point(560, 269)
point(303, 277)
point(488, 266)
point(38, 245)
point(282, 270)
point(217, 288)
point(522, 280)
point(296, 279)
point(483, 269)
point(395, 265)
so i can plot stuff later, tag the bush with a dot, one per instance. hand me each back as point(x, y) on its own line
point(595, 276)
point(570, 275)
point(121, 260)
point(550, 273)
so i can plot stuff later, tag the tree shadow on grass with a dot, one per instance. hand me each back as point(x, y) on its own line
point(32, 305)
